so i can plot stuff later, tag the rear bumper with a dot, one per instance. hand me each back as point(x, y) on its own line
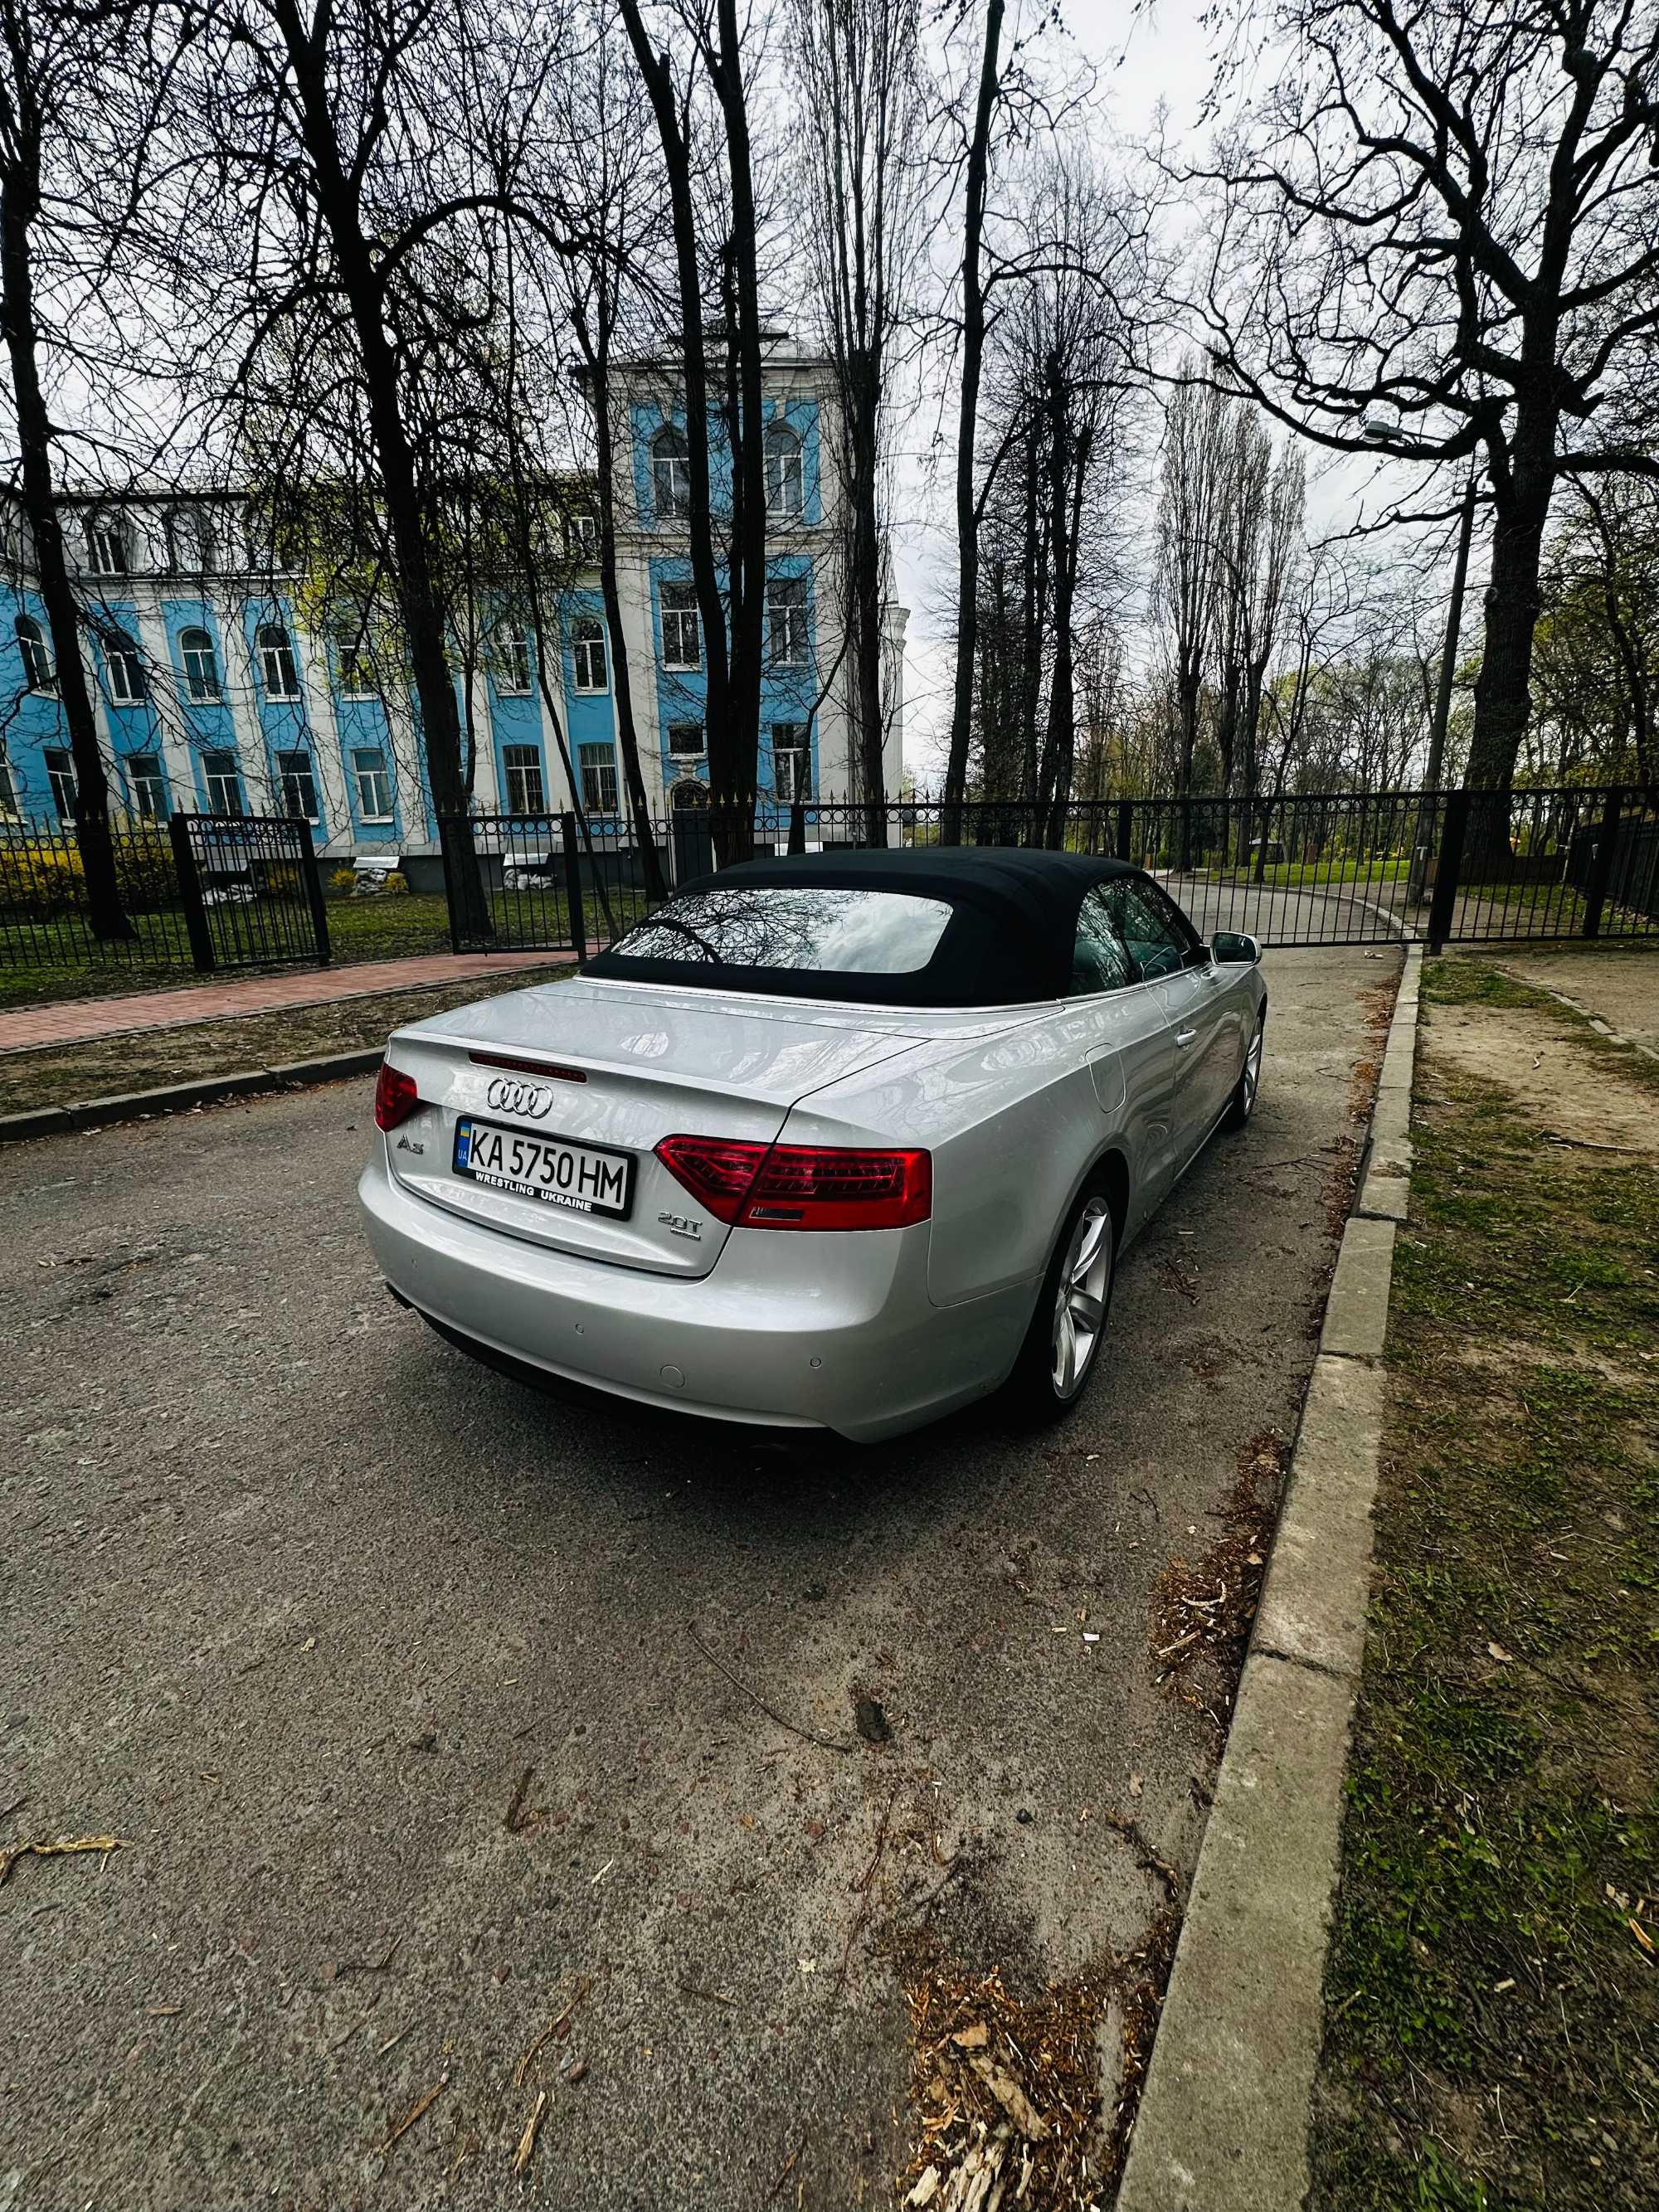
point(832, 1331)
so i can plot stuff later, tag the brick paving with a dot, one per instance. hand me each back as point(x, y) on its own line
point(73, 1021)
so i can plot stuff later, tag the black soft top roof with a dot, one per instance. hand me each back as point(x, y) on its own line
point(1009, 941)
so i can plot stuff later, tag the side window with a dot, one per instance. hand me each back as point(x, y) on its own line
point(1149, 926)
point(1099, 961)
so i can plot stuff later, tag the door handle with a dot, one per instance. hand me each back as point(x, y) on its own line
point(1184, 1037)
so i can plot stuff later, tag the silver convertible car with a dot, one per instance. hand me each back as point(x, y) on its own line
point(834, 1142)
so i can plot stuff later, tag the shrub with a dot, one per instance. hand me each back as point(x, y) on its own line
point(344, 880)
point(397, 883)
point(146, 875)
point(282, 882)
point(41, 880)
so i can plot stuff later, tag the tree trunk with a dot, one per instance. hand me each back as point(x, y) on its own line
point(973, 351)
point(748, 557)
point(419, 603)
point(1503, 698)
point(598, 363)
point(861, 431)
point(656, 73)
point(20, 202)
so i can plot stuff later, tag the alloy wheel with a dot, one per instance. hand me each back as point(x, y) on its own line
point(1080, 1298)
point(1253, 1069)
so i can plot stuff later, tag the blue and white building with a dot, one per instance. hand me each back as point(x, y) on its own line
point(215, 695)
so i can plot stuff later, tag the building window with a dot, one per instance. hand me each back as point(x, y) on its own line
point(786, 621)
point(201, 665)
point(526, 792)
point(792, 762)
point(351, 666)
point(685, 741)
point(514, 673)
point(38, 673)
point(587, 648)
point(671, 475)
point(125, 669)
point(598, 764)
point(7, 788)
point(581, 536)
point(784, 481)
point(682, 628)
point(373, 784)
point(299, 784)
point(60, 774)
point(147, 785)
point(279, 672)
point(224, 783)
point(107, 547)
point(190, 548)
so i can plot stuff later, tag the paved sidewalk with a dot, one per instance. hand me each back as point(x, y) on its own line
point(72, 1021)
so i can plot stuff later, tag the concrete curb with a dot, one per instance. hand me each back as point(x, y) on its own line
point(1223, 2125)
point(175, 1097)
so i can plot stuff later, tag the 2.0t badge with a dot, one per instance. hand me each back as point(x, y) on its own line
point(507, 1096)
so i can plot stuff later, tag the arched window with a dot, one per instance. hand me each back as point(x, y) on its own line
point(671, 475)
point(784, 482)
point(38, 673)
point(278, 670)
point(588, 650)
point(125, 669)
point(201, 665)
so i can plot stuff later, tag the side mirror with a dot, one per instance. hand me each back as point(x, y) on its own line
point(1233, 947)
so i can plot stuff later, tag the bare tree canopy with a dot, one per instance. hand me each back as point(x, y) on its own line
point(1436, 240)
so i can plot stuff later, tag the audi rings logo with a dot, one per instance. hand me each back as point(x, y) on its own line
point(507, 1096)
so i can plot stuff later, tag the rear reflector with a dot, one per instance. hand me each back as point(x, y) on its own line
point(395, 1096)
point(802, 1185)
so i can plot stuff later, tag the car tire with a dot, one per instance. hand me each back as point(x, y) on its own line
point(1061, 1350)
point(1242, 1104)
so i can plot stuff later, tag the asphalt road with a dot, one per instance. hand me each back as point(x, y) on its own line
point(295, 1598)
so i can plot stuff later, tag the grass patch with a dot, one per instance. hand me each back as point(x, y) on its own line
point(61, 1075)
point(1492, 2031)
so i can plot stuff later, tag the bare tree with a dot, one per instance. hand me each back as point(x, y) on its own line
point(732, 622)
point(859, 75)
point(1437, 238)
point(1189, 571)
point(54, 73)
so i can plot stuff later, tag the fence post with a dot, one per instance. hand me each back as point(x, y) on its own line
point(189, 895)
point(312, 877)
point(1601, 867)
point(797, 827)
point(1447, 868)
point(1125, 829)
point(573, 884)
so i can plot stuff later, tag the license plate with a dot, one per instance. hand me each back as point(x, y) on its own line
point(578, 1177)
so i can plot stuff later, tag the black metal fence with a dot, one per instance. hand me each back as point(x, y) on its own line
point(1292, 867)
point(199, 891)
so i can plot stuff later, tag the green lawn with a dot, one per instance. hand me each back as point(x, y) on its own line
point(1492, 1990)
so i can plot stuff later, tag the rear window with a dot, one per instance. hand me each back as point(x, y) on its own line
point(818, 930)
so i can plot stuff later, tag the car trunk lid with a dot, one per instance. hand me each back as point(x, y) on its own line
point(610, 1070)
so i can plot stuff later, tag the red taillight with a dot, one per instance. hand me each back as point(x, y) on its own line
point(717, 1169)
point(395, 1096)
point(802, 1185)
